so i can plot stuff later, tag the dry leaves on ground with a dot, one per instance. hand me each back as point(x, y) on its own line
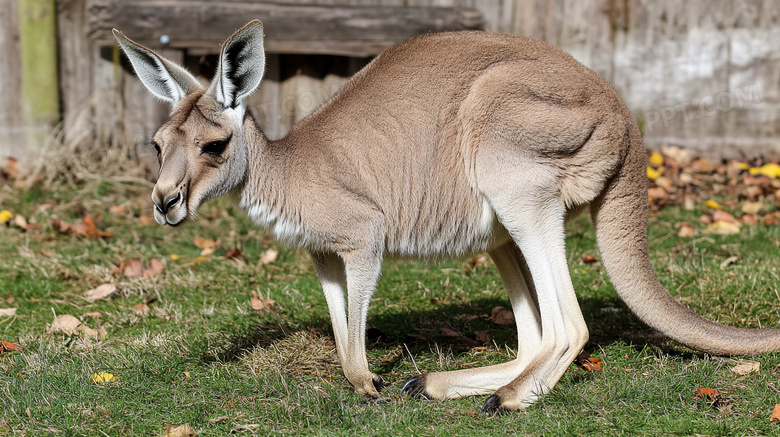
point(502, 316)
point(744, 190)
point(775, 417)
point(705, 393)
point(208, 246)
point(746, 367)
point(70, 325)
point(103, 291)
point(179, 431)
point(9, 346)
point(6, 312)
point(134, 268)
point(260, 304)
point(85, 227)
point(10, 171)
point(268, 256)
point(587, 362)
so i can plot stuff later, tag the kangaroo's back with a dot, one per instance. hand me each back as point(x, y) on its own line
point(417, 115)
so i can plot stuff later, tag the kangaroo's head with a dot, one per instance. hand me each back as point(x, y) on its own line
point(202, 148)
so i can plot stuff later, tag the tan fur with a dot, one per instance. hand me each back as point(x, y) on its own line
point(443, 146)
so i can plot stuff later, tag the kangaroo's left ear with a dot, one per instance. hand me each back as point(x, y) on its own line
point(241, 65)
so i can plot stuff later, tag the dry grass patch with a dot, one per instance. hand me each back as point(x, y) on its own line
point(299, 353)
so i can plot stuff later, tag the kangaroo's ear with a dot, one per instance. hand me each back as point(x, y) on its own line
point(241, 65)
point(163, 78)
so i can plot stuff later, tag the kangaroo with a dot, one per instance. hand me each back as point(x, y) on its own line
point(445, 145)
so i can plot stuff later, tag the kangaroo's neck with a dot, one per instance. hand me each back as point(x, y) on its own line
point(269, 195)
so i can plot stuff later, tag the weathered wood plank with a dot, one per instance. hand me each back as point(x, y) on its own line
point(11, 134)
point(40, 87)
point(75, 68)
point(344, 30)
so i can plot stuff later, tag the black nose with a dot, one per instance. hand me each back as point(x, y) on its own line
point(167, 204)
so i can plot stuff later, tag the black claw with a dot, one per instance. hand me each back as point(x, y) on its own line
point(492, 405)
point(416, 387)
point(380, 401)
point(379, 383)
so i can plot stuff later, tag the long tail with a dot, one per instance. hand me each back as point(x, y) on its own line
point(620, 220)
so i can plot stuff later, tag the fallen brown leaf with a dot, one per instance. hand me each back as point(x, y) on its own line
point(752, 207)
point(749, 219)
point(268, 256)
point(10, 171)
point(100, 292)
point(9, 346)
point(450, 331)
point(179, 431)
point(589, 259)
point(723, 228)
point(98, 334)
point(702, 165)
point(65, 324)
point(93, 314)
point(587, 362)
point(502, 316)
point(476, 261)
point(706, 393)
point(718, 216)
point(5, 312)
point(155, 267)
point(21, 222)
point(87, 228)
point(746, 367)
point(206, 244)
point(657, 193)
point(686, 230)
point(59, 226)
point(770, 219)
point(775, 414)
point(141, 309)
point(259, 304)
point(132, 268)
point(233, 253)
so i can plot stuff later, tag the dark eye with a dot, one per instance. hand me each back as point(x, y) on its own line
point(215, 148)
point(157, 148)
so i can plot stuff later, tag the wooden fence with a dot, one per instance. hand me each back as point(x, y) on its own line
point(700, 74)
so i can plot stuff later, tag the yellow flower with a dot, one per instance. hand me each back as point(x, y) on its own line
point(713, 204)
point(656, 159)
point(174, 257)
point(771, 170)
point(742, 166)
point(6, 216)
point(654, 174)
point(102, 377)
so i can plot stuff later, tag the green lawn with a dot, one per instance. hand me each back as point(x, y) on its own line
point(201, 355)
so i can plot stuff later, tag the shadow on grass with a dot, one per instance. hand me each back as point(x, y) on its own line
point(608, 319)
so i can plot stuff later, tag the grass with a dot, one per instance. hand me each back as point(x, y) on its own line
point(202, 356)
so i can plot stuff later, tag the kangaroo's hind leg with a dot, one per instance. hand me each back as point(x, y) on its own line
point(528, 205)
point(485, 380)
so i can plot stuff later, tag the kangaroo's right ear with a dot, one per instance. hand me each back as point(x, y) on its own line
point(163, 78)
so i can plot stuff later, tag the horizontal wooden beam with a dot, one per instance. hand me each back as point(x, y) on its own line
point(305, 29)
